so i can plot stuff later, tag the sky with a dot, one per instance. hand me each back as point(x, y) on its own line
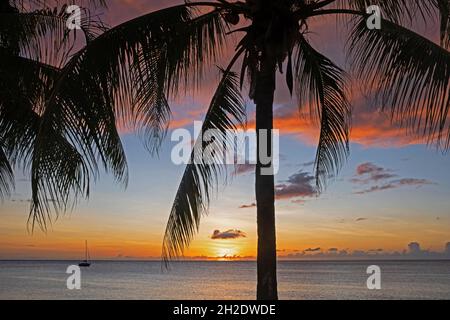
point(391, 199)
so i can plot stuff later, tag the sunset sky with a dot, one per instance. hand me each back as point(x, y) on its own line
point(393, 191)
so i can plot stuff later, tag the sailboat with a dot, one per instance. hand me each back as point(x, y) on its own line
point(85, 262)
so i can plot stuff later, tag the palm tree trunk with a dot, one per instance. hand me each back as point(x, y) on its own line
point(265, 185)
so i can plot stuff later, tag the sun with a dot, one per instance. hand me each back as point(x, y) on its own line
point(226, 253)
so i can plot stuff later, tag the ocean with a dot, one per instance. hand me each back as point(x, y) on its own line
point(224, 280)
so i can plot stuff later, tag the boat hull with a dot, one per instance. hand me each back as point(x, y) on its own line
point(84, 264)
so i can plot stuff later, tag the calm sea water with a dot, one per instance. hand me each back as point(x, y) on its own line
point(223, 280)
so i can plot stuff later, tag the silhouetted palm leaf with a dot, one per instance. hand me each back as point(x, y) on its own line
point(47, 3)
point(42, 34)
point(321, 84)
point(394, 10)
point(24, 84)
point(82, 125)
point(412, 74)
point(6, 174)
point(127, 72)
point(401, 11)
point(226, 112)
point(444, 11)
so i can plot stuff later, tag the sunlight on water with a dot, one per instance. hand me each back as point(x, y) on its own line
point(223, 280)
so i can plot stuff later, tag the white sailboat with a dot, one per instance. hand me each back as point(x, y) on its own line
point(85, 262)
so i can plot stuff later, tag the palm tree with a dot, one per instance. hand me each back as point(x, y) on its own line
point(48, 126)
point(61, 124)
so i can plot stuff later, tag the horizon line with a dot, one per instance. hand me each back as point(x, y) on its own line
point(232, 260)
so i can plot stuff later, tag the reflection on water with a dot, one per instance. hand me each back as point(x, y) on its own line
point(223, 280)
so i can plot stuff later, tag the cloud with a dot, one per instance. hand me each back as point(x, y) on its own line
point(414, 251)
point(397, 184)
point(367, 168)
point(299, 185)
point(248, 206)
point(361, 219)
point(229, 234)
point(214, 258)
point(414, 247)
point(369, 172)
point(376, 189)
point(121, 256)
point(413, 182)
point(312, 250)
point(370, 126)
point(383, 179)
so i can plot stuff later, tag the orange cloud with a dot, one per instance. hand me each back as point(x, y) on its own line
point(370, 128)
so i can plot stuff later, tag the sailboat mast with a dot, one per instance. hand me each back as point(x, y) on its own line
point(85, 251)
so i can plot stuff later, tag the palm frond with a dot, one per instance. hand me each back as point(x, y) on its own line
point(146, 59)
point(56, 166)
point(394, 10)
point(321, 84)
point(409, 11)
point(24, 84)
point(225, 112)
point(42, 143)
point(41, 34)
point(444, 12)
point(122, 76)
point(83, 126)
point(37, 35)
point(45, 4)
point(411, 74)
point(55, 177)
point(6, 175)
